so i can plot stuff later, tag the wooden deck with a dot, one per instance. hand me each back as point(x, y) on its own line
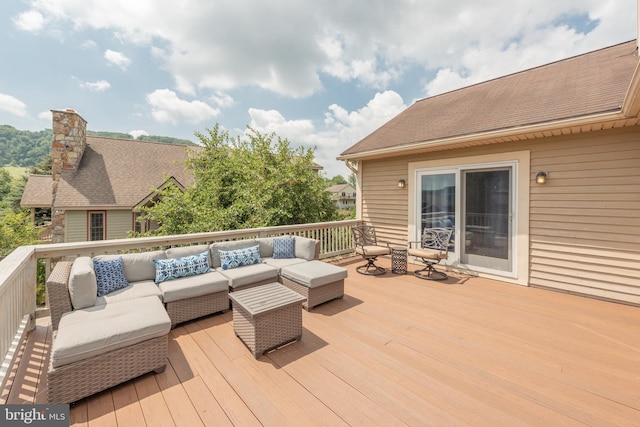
point(396, 351)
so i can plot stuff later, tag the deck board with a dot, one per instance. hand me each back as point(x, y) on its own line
point(396, 350)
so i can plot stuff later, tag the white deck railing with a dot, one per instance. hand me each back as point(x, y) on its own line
point(18, 270)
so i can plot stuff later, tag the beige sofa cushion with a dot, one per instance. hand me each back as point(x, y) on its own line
point(282, 262)
point(314, 273)
point(83, 286)
point(96, 330)
point(249, 274)
point(137, 266)
point(305, 248)
point(193, 286)
point(145, 288)
point(266, 246)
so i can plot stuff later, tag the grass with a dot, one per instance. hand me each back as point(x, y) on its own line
point(16, 172)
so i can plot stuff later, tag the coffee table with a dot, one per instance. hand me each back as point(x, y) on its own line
point(267, 316)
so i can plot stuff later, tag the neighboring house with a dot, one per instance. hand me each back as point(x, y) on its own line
point(344, 196)
point(98, 184)
point(37, 194)
point(469, 160)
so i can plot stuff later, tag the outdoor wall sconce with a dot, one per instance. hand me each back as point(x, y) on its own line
point(541, 177)
point(401, 183)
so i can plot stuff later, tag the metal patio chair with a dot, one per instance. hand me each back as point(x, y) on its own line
point(431, 249)
point(367, 246)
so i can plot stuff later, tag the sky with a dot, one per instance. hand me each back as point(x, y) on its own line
point(323, 74)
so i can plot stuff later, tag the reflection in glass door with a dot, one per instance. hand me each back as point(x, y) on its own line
point(487, 218)
point(438, 202)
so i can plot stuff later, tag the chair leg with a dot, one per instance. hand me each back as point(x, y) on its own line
point(430, 273)
point(370, 269)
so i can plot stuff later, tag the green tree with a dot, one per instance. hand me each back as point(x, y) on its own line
point(352, 180)
point(255, 181)
point(5, 184)
point(336, 180)
point(16, 229)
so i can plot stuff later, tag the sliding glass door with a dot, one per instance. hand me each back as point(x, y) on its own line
point(487, 227)
point(477, 202)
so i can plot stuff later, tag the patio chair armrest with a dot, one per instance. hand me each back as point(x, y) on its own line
point(58, 298)
point(414, 245)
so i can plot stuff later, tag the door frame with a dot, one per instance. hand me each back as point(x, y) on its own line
point(521, 179)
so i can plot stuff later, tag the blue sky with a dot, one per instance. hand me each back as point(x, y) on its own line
point(323, 74)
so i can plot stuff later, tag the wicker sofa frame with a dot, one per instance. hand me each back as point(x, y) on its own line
point(68, 383)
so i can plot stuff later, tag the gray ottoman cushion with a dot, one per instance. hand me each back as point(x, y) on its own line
point(96, 330)
point(314, 273)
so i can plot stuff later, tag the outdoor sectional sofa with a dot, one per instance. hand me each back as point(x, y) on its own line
point(112, 314)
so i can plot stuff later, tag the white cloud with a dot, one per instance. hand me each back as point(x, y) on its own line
point(137, 133)
point(45, 115)
point(286, 46)
point(117, 59)
point(89, 44)
point(168, 108)
point(342, 128)
point(31, 21)
point(97, 86)
point(13, 105)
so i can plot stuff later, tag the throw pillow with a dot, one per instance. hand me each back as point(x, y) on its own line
point(173, 268)
point(109, 275)
point(283, 247)
point(239, 257)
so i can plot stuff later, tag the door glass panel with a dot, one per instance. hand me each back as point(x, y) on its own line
point(487, 220)
point(438, 201)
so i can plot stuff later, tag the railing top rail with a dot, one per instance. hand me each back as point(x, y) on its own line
point(106, 246)
point(13, 263)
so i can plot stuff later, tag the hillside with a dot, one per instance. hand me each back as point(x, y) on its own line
point(25, 148)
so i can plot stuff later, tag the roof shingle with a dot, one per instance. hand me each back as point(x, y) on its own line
point(583, 85)
point(119, 173)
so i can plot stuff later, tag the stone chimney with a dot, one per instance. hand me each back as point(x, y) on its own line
point(69, 143)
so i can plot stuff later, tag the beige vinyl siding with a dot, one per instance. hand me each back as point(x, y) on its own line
point(119, 223)
point(383, 203)
point(75, 226)
point(585, 221)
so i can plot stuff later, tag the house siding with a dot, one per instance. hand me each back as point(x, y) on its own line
point(118, 223)
point(584, 227)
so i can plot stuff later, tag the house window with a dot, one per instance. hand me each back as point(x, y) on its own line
point(97, 225)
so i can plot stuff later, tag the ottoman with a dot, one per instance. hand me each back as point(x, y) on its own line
point(266, 317)
point(317, 281)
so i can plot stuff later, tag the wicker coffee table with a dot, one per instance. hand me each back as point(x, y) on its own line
point(267, 316)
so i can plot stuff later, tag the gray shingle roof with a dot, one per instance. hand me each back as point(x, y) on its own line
point(583, 85)
point(37, 192)
point(119, 173)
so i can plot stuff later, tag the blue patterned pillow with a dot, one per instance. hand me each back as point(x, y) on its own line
point(239, 257)
point(109, 275)
point(284, 247)
point(173, 268)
